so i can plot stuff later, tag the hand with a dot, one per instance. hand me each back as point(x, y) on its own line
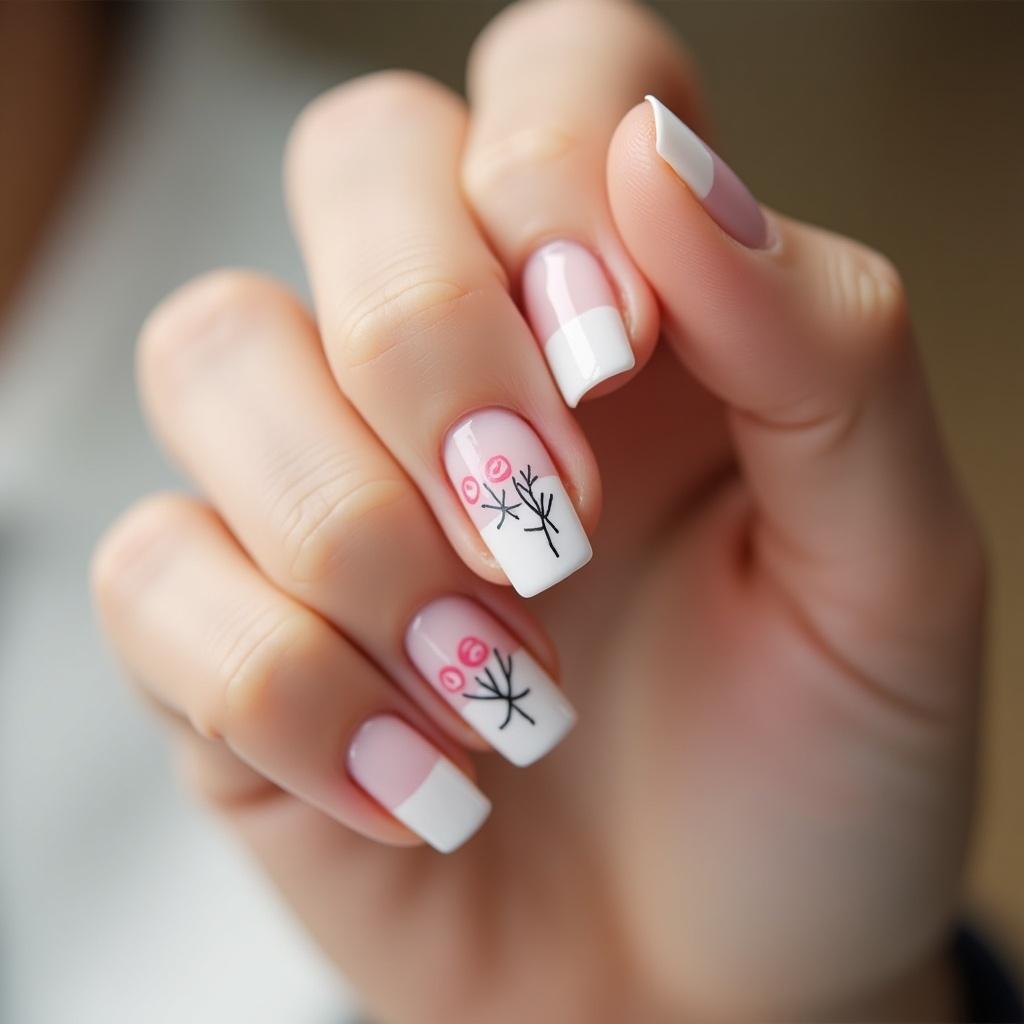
point(774, 654)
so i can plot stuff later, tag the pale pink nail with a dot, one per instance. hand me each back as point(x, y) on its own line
point(489, 678)
point(721, 193)
point(412, 779)
point(511, 490)
point(574, 315)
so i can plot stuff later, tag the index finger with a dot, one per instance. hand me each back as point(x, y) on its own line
point(548, 82)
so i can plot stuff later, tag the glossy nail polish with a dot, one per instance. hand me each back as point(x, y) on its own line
point(709, 178)
point(510, 488)
point(489, 678)
point(411, 778)
point(573, 313)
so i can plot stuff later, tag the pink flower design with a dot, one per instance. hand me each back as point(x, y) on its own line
point(498, 468)
point(472, 651)
point(452, 678)
point(470, 490)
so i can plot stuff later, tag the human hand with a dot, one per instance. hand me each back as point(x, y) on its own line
point(774, 654)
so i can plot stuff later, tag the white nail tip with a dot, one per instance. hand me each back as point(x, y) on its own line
point(530, 561)
point(446, 809)
point(524, 729)
point(682, 150)
point(587, 350)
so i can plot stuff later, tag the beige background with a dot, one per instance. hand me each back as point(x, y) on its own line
point(902, 125)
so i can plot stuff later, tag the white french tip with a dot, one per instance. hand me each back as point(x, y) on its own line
point(446, 809)
point(525, 731)
point(533, 566)
point(589, 349)
point(682, 150)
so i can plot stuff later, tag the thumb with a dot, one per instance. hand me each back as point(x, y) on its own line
point(804, 336)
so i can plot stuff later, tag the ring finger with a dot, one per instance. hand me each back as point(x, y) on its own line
point(235, 381)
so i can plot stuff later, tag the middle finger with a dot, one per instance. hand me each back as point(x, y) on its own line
point(423, 337)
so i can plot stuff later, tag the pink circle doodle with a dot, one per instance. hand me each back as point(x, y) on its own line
point(452, 678)
point(472, 651)
point(498, 468)
point(470, 490)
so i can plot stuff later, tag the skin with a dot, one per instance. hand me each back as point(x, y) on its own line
point(775, 652)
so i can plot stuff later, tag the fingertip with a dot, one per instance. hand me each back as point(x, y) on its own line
point(591, 311)
point(633, 147)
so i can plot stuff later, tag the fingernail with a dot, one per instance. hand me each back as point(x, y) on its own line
point(573, 313)
point(490, 679)
point(412, 779)
point(721, 193)
point(511, 490)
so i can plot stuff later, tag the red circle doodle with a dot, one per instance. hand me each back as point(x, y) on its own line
point(498, 468)
point(470, 490)
point(452, 678)
point(472, 651)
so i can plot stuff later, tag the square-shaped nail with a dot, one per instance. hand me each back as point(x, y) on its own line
point(573, 313)
point(510, 488)
point(489, 678)
point(407, 775)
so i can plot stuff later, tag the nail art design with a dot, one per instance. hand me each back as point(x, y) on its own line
point(539, 504)
point(500, 506)
point(721, 193)
point(575, 316)
point(495, 690)
point(412, 779)
point(489, 678)
point(511, 490)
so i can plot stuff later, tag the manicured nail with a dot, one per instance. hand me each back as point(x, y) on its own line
point(409, 776)
point(573, 313)
point(490, 679)
point(510, 488)
point(721, 193)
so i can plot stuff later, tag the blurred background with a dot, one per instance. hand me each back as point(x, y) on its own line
point(140, 146)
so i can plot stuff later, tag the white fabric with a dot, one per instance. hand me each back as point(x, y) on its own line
point(119, 900)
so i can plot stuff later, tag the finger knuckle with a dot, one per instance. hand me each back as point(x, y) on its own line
point(867, 297)
point(332, 510)
point(215, 777)
point(411, 296)
point(496, 167)
point(258, 648)
point(628, 30)
point(205, 321)
point(136, 547)
point(332, 120)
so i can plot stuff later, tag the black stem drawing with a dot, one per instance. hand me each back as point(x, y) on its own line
point(495, 690)
point(539, 504)
point(501, 506)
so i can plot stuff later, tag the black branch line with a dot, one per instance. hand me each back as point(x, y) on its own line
point(501, 506)
point(503, 690)
point(539, 504)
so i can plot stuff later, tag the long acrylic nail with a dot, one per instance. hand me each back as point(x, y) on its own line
point(511, 490)
point(409, 776)
point(721, 193)
point(573, 313)
point(490, 679)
